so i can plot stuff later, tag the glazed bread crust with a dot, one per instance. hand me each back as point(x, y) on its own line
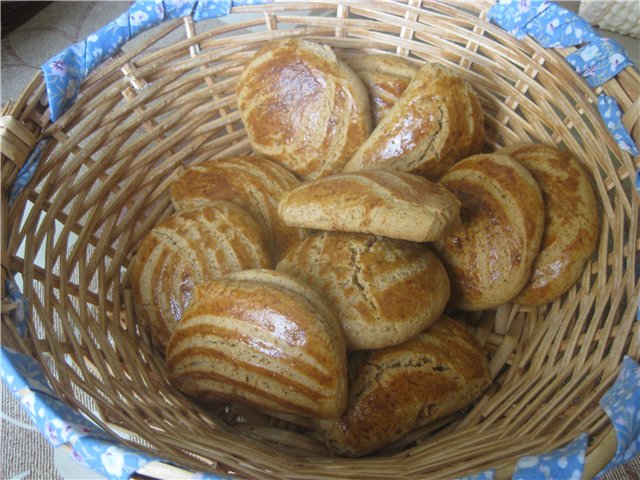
point(386, 78)
point(303, 107)
point(187, 248)
point(382, 202)
point(489, 256)
point(260, 337)
point(442, 370)
point(572, 223)
point(255, 184)
point(383, 291)
point(437, 121)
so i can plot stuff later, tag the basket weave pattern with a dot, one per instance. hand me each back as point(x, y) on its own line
point(141, 118)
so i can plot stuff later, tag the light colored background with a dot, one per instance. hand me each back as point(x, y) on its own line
point(24, 453)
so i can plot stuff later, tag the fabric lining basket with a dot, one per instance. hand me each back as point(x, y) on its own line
point(103, 169)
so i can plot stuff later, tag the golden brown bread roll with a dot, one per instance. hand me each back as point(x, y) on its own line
point(382, 202)
point(442, 370)
point(254, 183)
point(386, 78)
point(572, 225)
point(383, 291)
point(437, 121)
point(260, 337)
point(302, 107)
point(187, 248)
point(489, 256)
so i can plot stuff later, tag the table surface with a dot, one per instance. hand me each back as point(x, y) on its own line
point(24, 451)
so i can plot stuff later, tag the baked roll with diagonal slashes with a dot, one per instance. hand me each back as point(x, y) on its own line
point(572, 224)
point(187, 248)
point(383, 291)
point(442, 370)
point(255, 184)
point(303, 107)
point(382, 202)
point(260, 337)
point(490, 255)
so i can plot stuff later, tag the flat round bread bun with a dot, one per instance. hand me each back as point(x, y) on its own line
point(303, 108)
point(255, 184)
point(442, 370)
point(260, 337)
point(187, 248)
point(489, 256)
point(383, 202)
point(386, 78)
point(437, 121)
point(571, 220)
point(383, 291)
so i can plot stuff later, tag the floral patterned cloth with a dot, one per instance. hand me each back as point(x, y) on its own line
point(598, 59)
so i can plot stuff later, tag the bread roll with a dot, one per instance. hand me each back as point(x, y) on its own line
point(254, 183)
point(260, 337)
point(437, 121)
point(572, 225)
point(382, 202)
point(383, 291)
point(386, 78)
point(187, 248)
point(440, 371)
point(302, 107)
point(489, 256)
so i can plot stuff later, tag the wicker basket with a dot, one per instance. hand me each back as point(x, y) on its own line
point(142, 117)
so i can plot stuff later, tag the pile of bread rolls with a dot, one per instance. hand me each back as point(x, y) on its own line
point(312, 278)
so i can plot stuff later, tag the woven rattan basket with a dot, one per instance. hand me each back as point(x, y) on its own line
point(143, 116)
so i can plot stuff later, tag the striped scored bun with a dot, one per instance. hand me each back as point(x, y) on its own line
point(571, 220)
point(442, 370)
point(384, 291)
point(386, 78)
point(382, 202)
point(437, 121)
point(263, 338)
point(187, 248)
point(489, 256)
point(303, 107)
point(254, 183)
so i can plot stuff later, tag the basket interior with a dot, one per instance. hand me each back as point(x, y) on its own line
point(169, 102)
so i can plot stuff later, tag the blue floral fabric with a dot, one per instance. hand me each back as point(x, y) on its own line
point(21, 311)
point(487, 475)
point(612, 115)
point(64, 73)
point(622, 404)
point(598, 59)
point(27, 171)
point(565, 463)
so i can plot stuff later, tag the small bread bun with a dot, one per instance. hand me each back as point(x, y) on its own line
point(489, 256)
point(255, 184)
point(442, 370)
point(383, 291)
point(386, 78)
point(187, 248)
point(572, 225)
point(263, 338)
point(303, 108)
point(394, 204)
point(437, 121)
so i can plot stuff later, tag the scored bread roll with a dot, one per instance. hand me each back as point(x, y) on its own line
point(394, 204)
point(442, 370)
point(383, 291)
point(187, 248)
point(386, 78)
point(571, 220)
point(263, 338)
point(303, 107)
point(489, 256)
point(254, 183)
point(437, 121)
